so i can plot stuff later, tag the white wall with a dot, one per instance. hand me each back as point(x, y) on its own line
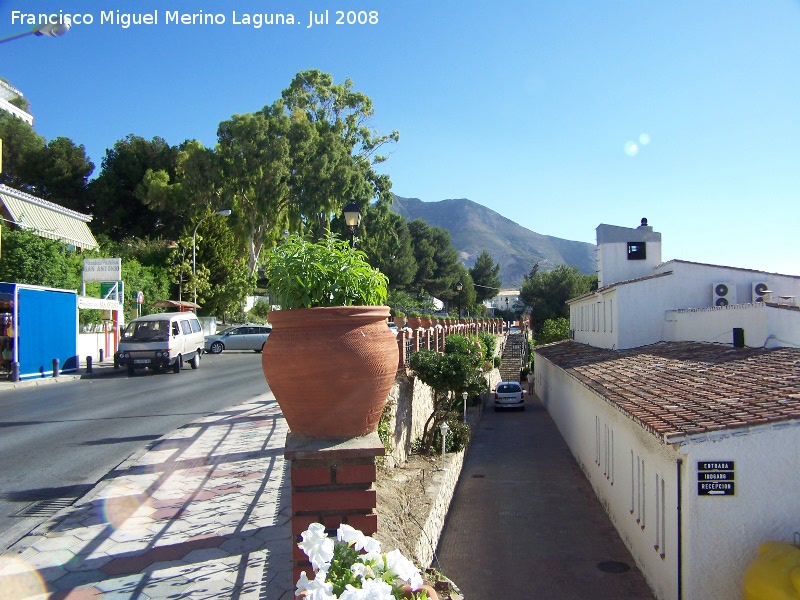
point(628, 467)
point(716, 324)
point(722, 533)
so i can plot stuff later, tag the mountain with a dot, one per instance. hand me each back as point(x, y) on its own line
point(474, 228)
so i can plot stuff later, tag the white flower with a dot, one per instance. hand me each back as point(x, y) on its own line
point(348, 534)
point(317, 546)
point(369, 545)
point(375, 573)
point(317, 588)
point(401, 567)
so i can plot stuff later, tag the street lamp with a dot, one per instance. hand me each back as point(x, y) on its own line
point(465, 395)
point(445, 428)
point(352, 216)
point(44, 29)
point(221, 213)
point(459, 287)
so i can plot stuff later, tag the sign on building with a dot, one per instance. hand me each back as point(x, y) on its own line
point(715, 478)
point(102, 269)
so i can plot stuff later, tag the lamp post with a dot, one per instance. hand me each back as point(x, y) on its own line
point(221, 213)
point(444, 428)
point(465, 395)
point(459, 287)
point(44, 29)
point(352, 216)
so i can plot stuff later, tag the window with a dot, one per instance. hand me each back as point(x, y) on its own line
point(637, 251)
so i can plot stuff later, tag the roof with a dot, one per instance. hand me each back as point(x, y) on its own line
point(699, 264)
point(677, 389)
point(47, 219)
point(616, 284)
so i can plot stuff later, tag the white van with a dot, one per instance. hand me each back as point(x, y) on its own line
point(161, 340)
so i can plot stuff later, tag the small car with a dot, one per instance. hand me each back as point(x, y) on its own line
point(240, 337)
point(509, 394)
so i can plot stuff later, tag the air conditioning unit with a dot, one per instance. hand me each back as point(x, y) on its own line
point(723, 294)
point(761, 292)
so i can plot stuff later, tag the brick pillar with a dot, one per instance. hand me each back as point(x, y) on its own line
point(401, 346)
point(332, 483)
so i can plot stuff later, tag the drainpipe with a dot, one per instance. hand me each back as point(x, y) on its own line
point(680, 528)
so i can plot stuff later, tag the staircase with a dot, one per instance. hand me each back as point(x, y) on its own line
point(514, 357)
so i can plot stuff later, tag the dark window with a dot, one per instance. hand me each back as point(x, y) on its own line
point(637, 251)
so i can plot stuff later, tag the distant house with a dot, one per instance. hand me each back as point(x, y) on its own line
point(7, 93)
point(679, 396)
point(45, 218)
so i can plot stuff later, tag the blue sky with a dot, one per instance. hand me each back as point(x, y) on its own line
point(558, 114)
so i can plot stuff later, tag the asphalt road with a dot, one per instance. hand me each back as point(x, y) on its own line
point(57, 441)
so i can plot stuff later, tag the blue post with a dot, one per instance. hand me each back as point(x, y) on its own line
point(89, 363)
point(55, 367)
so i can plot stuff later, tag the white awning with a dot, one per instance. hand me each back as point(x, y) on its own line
point(47, 219)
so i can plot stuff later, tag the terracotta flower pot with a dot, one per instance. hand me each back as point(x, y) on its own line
point(414, 322)
point(331, 368)
point(432, 595)
point(426, 322)
point(400, 322)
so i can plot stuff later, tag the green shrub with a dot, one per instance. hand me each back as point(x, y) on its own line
point(304, 274)
point(497, 361)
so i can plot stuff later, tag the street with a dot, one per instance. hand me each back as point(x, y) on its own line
point(59, 440)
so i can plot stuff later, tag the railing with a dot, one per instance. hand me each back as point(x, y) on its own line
point(433, 338)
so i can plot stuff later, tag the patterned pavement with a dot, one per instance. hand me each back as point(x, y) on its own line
point(203, 513)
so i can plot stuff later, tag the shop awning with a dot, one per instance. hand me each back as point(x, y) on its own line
point(47, 219)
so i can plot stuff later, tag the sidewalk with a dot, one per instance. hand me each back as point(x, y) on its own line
point(203, 513)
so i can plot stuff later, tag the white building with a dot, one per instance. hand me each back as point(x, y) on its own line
point(683, 411)
point(7, 93)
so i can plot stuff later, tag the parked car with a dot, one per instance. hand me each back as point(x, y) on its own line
point(159, 341)
point(394, 328)
point(509, 394)
point(240, 337)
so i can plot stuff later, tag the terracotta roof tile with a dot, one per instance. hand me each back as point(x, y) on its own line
point(681, 388)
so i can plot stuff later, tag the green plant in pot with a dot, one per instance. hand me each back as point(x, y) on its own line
point(332, 326)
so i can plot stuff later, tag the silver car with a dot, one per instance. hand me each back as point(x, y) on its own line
point(241, 337)
point(509, 394)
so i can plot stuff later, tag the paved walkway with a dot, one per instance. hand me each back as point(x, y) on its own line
point(525, 523)
point(204, 513)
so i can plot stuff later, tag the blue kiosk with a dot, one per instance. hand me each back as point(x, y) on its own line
point(38, 331)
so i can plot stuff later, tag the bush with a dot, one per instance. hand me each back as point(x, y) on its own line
point(490, 344)
point(553, 330)
point(497, 362)
point(457, 436)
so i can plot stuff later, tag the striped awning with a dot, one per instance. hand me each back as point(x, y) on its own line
point(47, 219)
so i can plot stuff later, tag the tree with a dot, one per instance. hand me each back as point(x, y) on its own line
point(553, 330)
point(19, 141)
point(547, 292)
point(28, 258)
point(437, 260)
point(387, 244)
point(485, 277)
point(228, 276)
point(116, 196)
point(255, 163)
point(340, 116)
point(58, 171)
point(454, 371)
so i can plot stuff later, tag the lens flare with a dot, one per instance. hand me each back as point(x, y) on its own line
point(644, 139)
point(121, 503)
point(20, 580)
point(631, 148)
